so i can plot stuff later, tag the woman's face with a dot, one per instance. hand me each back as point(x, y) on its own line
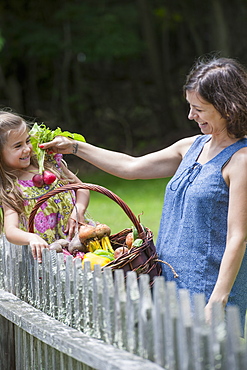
point(208, 118)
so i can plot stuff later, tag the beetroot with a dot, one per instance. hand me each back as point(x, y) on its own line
point(38, 180)
point(49, 177)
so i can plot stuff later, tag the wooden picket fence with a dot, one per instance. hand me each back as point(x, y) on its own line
point(55, 315)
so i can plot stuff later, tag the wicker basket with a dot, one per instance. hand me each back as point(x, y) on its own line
point(141, 259)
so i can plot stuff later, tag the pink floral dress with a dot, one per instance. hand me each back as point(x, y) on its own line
point(52, 217)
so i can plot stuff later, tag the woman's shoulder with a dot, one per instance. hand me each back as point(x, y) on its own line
point(192, 139)
point(238, 162)
point(186, 143)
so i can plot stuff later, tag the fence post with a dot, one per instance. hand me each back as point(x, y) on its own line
point(88, 298)
point(132, 312)
point(120, 338)
point(218, 329)
point(159, 321)
point(146, 340)
point(108, 306)
point(186, 337)
point(61, 287)
point(202, 334)
point(45, 281)
point(235, 349)
point(69, 292)
point(79, 294)
point(53, 284)
point(98, 331)
point(172, 325)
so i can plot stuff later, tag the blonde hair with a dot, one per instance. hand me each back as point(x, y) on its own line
point(13, 122)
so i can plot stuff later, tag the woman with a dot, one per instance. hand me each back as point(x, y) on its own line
point(204, 220)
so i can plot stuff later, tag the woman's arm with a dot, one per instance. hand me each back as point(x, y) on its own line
point(162, 163)
point(21, 237)
point(235, 175)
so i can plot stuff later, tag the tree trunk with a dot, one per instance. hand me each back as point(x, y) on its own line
point(32, 95)
point(154, 56)
point(65, 73)
point(220, 41)
point(14, 94)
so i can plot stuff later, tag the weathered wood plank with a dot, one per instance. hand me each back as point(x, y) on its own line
point(88, 299)
point(79, 295)
point(68, 341)
point(97, 318)
point(132, 312)
point(7, 344)
point(61, 287)
point(146, 341)
point(120, 338)
point(108, 306)
point(159, 321)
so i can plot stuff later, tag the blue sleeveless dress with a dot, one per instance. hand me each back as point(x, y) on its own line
point(192, 235)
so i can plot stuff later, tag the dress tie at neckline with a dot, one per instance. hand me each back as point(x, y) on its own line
point(190, 173)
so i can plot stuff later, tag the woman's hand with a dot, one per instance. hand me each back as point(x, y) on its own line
point(209, 306)
point(37, 244)
point(61, 144)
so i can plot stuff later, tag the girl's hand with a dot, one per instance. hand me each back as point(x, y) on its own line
point(71, 228)
point(37, 244)
point(77, 214)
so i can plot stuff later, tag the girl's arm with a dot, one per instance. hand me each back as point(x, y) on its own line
point(21, 237)
point(235, 175)
point(82, 201)
point(162, 163)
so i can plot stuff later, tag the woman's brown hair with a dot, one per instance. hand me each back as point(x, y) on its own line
point(223, 83)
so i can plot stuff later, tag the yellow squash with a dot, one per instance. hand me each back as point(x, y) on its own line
point(95, 260)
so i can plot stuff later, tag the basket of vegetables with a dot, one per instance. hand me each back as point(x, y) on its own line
point(131, 249)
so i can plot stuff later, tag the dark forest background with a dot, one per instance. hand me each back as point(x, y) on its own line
point(112, 70)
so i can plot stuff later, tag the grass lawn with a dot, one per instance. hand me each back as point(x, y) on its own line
point(142, 196)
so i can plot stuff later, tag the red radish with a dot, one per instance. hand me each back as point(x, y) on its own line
point(38, 180)
point(49, 177)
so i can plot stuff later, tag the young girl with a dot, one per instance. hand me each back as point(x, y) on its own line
point(57, 217)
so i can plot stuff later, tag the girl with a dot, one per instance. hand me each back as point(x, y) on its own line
point(57, 217)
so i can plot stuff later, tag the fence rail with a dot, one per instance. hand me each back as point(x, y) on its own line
point(57, 311)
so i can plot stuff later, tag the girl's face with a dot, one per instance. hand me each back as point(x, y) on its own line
point(208, 118)
point(17, 150)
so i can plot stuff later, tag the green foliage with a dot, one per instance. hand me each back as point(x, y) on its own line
point(41, 134)
point(117, 66)
point(98, 32)
point(105, 33)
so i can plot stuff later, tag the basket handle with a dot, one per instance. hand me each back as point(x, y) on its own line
point(93, 187)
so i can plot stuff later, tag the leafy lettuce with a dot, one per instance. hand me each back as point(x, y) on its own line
point(41, 134)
